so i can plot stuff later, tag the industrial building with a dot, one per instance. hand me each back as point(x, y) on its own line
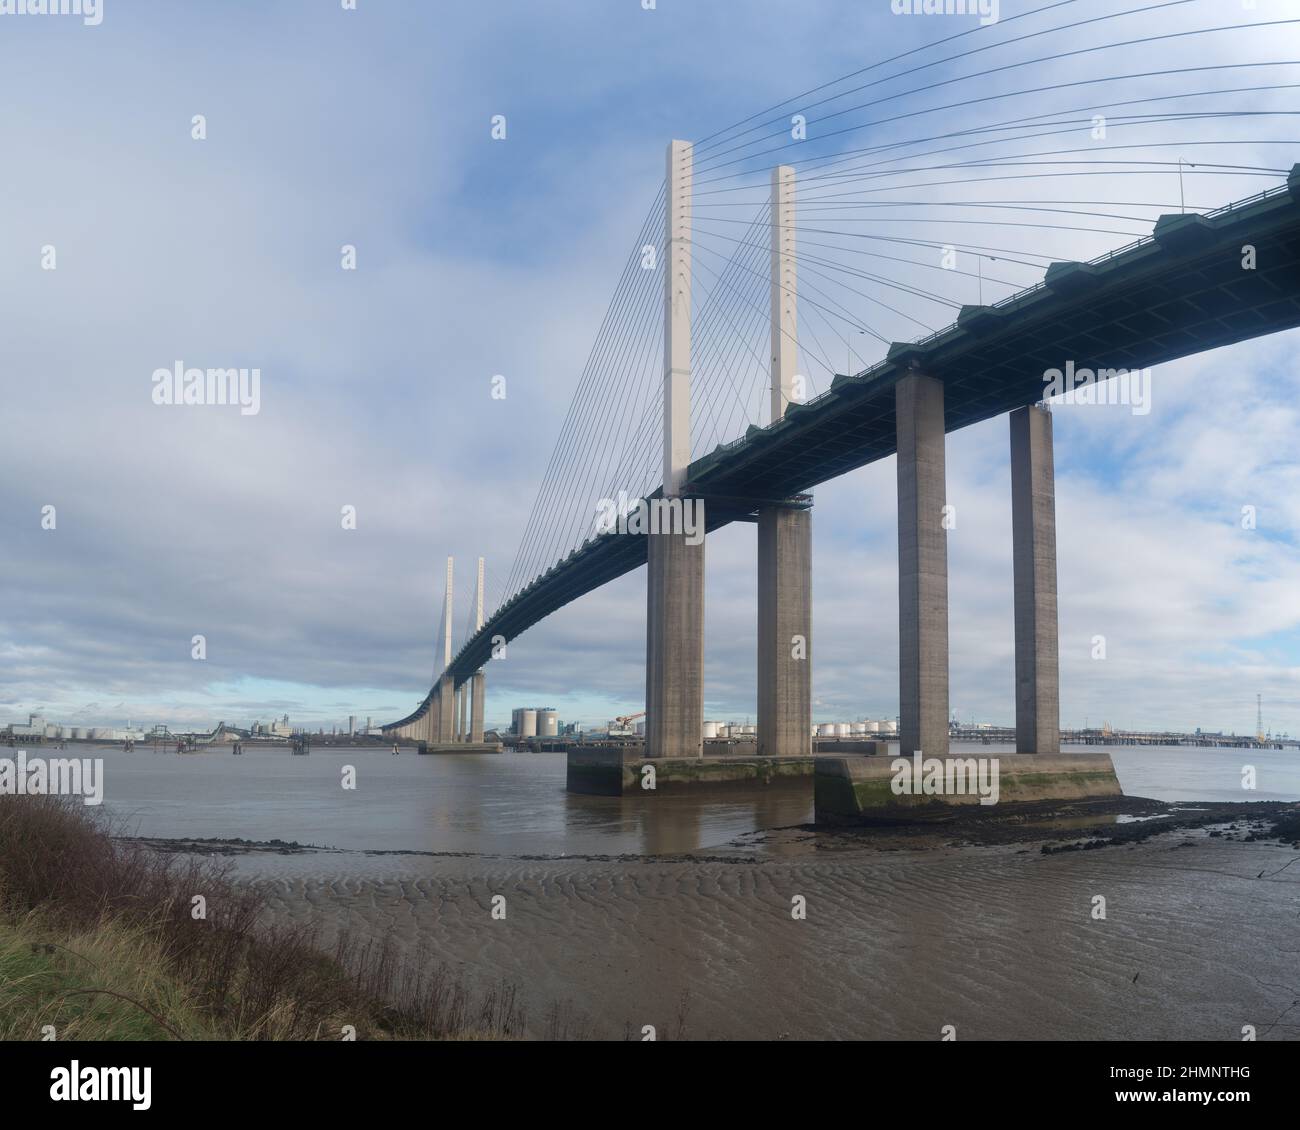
point(535, 722)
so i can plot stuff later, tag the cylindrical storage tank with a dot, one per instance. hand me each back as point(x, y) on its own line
point(724, 730)
point(710, 729)
point(857, 727)
point(548, 725)
point(826, 730)
point(750, 730)
point(842, 729)
point(526, 723)
point(78, 732)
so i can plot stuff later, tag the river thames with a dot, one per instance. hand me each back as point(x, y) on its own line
point(676, 912)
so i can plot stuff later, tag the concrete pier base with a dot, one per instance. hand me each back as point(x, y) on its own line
point(1033, 533)
point(784, 632)
point(608, 771)
point(922, 567)
point(862, 789)
point(674, 694)
point(461, 747)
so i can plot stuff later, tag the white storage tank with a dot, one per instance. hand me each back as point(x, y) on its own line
point(857, 727)
point(525, 723)
point(842, 729)
point(710, 729)
point(750, 730)
point(548, 723)
point(826, 730)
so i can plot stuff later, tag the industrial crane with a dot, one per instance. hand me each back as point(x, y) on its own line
point(619, 727)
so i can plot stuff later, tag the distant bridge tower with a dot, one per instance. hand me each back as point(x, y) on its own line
point(478, 683)
point(442, 713)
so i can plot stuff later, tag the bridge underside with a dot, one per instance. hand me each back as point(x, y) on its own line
point(1181, 292)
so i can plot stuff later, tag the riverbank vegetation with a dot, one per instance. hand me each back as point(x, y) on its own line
point(103, 939)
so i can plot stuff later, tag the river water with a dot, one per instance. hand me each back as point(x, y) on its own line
point(676, 911)
point(516, 804)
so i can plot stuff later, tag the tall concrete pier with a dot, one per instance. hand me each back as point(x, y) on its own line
point(1033, 534)
point(784, 533)
point(922, 567)
point(446, 710)
point(479, 687)
point(674, 648)
point(784, 632)
point(675, 570)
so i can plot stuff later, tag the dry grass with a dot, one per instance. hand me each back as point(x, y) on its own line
point(98, 936)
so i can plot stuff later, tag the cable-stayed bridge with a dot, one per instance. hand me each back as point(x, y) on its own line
point(716, 379)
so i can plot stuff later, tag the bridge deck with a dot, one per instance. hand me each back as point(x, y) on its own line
point(1179, 292)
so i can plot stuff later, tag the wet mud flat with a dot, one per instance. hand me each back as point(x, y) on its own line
point(797, 933)
point(1064, 825)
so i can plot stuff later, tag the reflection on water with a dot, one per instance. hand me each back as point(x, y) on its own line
point(502, 804)
point(516, 804)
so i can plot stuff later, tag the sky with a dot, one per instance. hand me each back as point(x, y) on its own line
point(479, 257)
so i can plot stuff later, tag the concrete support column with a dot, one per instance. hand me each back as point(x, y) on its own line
point(446, 710)
point(674, 662)
point(430, 720)
point(784, 534)
point(784, 632)
point(479, 688)
point(922, 568)
point(1033, 537)
point(675, 570)
point(462, 712)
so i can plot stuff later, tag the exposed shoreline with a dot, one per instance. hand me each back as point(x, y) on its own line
point(1098, 823)
point(987, 925)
